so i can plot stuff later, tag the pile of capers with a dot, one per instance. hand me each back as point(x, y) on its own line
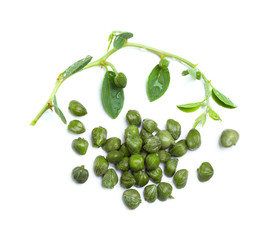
point(139, 156)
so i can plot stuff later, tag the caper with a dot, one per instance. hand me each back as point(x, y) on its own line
point(143, 153)
point(131, 198)
point(76, 126)
point(127, 180)
point(76, 108)
point(131, 131)
point(174, 128)
point(111, 144)
point(120, 80)
point(110, 179)
point(134, 144)
point(80, 145)
point(136, 162)
point(98, 135)
point(229, 137)
point(134, 117)
point(152, 144)
point(198, 75)
point(124, 150)
point(164, 63)
point(193, 139)
point(150, 193)
point(165, 138)
point(163, 155)
point(164, 191)
point(80, 174)
point(123, 164)
point(144, 135)
point(170, 167)
point(114, 156)
point(180, 178)
point(155, 175)
point(152, 161)
point(141, 178)
point(100, 165)
point(185, 73)
point(149, 125)
point(179, 149)
point(205, 172)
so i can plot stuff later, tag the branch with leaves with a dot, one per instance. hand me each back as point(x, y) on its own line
point(157, 83)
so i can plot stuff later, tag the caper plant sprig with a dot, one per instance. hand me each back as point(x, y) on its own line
point(158, 82)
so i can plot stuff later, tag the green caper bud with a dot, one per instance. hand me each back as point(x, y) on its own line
point(144, 135)
point(185, 73)
point(164, 191)
point(163, 155)
point(229, 137)
point(205, 172)
point(164, 63)
point(131, 198)
point(155, 175)
point(134, 144)
point(198, 75)
point(110, 179)
point(98, 135)
point(100, 165)
point(150, 193)
point(144, 153)
point(111, 144)
point(180, 178)
point(80, 174)
point(141, 178)
point(124, 150)
point(149, 125)
point(120, 80)
point(152, 161)
point(193, 139)
point(152, 144)
point(123, 164)
point(174, 128)
point(165, 138)
point(134, 117)
point(179, 149)
point(77, 108)
point(127, 180)
point(136, 162)
point(170, 167)
point(114, 156)
point(131, 131)
point(80, 145)
point(76, 126)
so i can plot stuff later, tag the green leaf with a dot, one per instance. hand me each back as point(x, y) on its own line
point(221, 99)
point(189, 107)
point(120, 39)
point(158, 82)
point(212, 114)
point(58, 111)
point(112, 96)
point(201, 118)
point(192, 73)
point(76, 67)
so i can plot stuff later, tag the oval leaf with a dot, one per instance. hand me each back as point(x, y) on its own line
point(112, 96)
point(158, 82)
point(221, 99)
point(58, 111)
point(212, 114)
point(189, 107)
point(76, 67)
point(120, 39)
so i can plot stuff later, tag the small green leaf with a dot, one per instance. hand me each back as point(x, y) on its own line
point(58, 111)
point(120, 39)
point(112, 96)
point(76, 67)
point(189, 107)
point(192, 73)
point(212, 114)
point(158, 82)
point(221, 99)
point(201, 118)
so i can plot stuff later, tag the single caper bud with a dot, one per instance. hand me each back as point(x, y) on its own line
point(80, 174)
point(77, 108)
point(174, 128)
point(127, 180)
point(141, 178)
point(164, 63)
point(144, 134)
point(136, 162)
point(193, 139)
point(98, 135)
point(124, 150)
point(164, 191)
point(114, 156)
point(100, 165)
point(229, 137)
point(144, 153)
point(179, 149)
point(185, 73)
point(152, 144)
point(150, 193)
point(180, 178)
point(134, 144)
point(134, 117)
point(132, 198)
point(110, 179)
point(131, 131)
point(111, 144)
point(155, 175)
point(80, 145)
point(152, 161)
point(198, 75)
point(123, 164)
point(170, 167)
point(76, 126)
point(205, 172)
point(120, 80)
point(165, 138)
point(163, 155)
point(149, 125)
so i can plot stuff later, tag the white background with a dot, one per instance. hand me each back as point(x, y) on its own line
point(40, 39)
